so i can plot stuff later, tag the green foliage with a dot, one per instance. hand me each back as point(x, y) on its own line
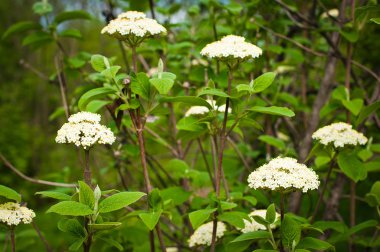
point(70, 208)
point(9, 193)
point(118, 201)
point(198, 217)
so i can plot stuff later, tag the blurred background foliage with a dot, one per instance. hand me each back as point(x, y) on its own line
point(31, 109)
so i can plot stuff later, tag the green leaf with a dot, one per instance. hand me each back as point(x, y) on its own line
point(73, 227)
point(271, 213)
point(191, 100)
point(234, 218)
point(76, 244)
point(163, 85)
point(373, 197)
point(375, 20)
point(212, 91)
point(9, 193)
point(351, 165)
point(278, 143)
point(113, 243)
point(20, 27)
point(37, 39)
point(257, 235)
point(315, 244)
point(42, 8)
point(225, 205)
point(189, 124)
point(140, 85)
point(92, 95)
point(354, 106)
point(273, 110)
point(198, 217)
point(95, 105)
point(290, 231)
point(71, 208)
point(260, 220)
point(118, 201)
point(99, 62)
point(335, 225)
point(351, 35)
point(151, 219)
point(110, 72)
point(155, 200)
point(54, 195)
point(177, 194)
point(263, 82)
point(71, 33)
point(104, 225)
point(70, 15)
point(244, 87)
point(86, 195)
point(367, 111)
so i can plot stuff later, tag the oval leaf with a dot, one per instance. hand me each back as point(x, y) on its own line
point(118, 201)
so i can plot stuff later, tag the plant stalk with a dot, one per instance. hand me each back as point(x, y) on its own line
point(282, 212)
point(13, 241)
point(218, 175)
point(87, 171)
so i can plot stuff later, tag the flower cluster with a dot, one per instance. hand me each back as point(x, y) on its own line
point(203, 234)
point(12, 213)
point(83, 129)
point(339, 134)
point(199, 110)
point(231, 46)
point(284, 173)
point(251, 226)
point(131, 24)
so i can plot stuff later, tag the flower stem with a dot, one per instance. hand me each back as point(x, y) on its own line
point(223, 137)
point(319, 202)
point(87, 171)
point(13, 241)
point(282, 212)
point(273, 242)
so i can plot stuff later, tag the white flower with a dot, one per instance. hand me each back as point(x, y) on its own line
point(339, 134)
point(83, 129)
point(133, 24)
point(132, 15)
point(12, 213)
point(283, 173)
point(332, 12)
point(203, 234)
point(171, 249)
point(231, 46)
point(251, 226)
point(199, 110)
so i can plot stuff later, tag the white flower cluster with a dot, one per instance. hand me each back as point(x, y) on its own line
point(12, 213)
point(199, 110)
point(282, 174)
point(133, 23)
point(203, 234)
point(339, 134)
point(83, 129)
point(251, 226)
point(231, 46)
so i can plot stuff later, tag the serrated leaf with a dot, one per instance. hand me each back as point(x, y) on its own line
point(260, 220)
point(198, 217)
point(86, 195)
point(9, 193)
point(367, 111)
point(314, 244)
point(263, 82)
point(140, 85)
point(151, 219)
point(71, 15)
point(93, 94)
point(290, 231)
point(21, 27)
point(71, 208)
point(54, 195)
point(73, 227)
point(273, 110)
point(163, 85)
point(350, 164)
point(234, 218)
point(257, 235)
point(118, 201)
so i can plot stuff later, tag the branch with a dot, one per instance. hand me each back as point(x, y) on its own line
point(36, 181)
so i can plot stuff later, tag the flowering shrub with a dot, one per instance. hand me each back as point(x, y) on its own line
point(200, 126)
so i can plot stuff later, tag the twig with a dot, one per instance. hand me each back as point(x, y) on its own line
point(36, 181)
point(44, 241)
point(62, 86)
